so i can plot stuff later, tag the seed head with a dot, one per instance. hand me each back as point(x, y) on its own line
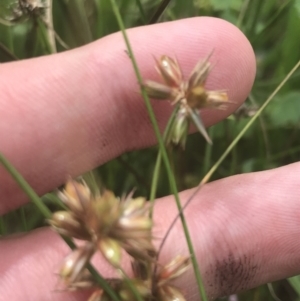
point(75, 263)
point(163, 289)
point(191, 95)
point(105, 221)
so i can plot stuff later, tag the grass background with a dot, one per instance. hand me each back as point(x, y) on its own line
point(272, 27)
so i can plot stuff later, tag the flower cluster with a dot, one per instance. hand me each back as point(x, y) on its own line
point(156, 287)
point(108, 224)
point(191, 96)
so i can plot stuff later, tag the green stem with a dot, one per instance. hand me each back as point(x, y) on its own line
point(131, 286)
point(163, 152)
point(49, 26)
point(9, 53)
point(242, 13)
point(142, 12)
point(25, 186)
point(44, 34)
point(23, 219)
point(47, 213)
point(208, 151)
point(247, 126)
point(158, 162)
point(80, 21)
point(159, 11)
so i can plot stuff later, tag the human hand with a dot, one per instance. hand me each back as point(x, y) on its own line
point(70, 112)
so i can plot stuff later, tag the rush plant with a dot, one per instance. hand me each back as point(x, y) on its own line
point(94, 220)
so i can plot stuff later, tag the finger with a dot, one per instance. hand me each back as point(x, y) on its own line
point(245, 230)
point(67, 113)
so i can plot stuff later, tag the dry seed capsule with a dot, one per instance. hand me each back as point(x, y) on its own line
point(169, 70)
point(179, 129)
point(133, 206)
point(170, 293)
point(76, 196)
point(158, 91)
point(65, 223)
point(96, 296)
point(142, 223)
point(217, 100)
point(75, 263)
point(199, 74)
point(111, 250)
point(142, 287)
point(174, 269)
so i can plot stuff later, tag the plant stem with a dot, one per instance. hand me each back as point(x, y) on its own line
point(163, 152)
point(25, 186)
point(163, 5)
point(135, 292)
point(158, 162)
point(80, 22)
point(142, 12)
point(47, 213)
point(208, 151)
point(23, 219)
point(247, 126)
point(49, 26)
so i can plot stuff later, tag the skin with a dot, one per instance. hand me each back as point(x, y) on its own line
point(73, 111)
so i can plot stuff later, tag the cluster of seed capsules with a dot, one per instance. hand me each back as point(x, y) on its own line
point(190, 95)
point(108, 225)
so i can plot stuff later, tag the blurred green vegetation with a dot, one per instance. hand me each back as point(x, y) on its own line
point(272, 27)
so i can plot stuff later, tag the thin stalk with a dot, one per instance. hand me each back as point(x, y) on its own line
point(163, 152)
point(55, 200)
point(242, 13)
point(254, 11)
point(208, 151)
point(263, 128)
point(272, 292)
point(10, 39)
point(247, 126)
point(158, 163)
point(25, 186)
point(131, 286)
point(234, 162)
point(23, 220)
point(8, 52)
point(43, 32)
point(273, 18)
point(154, 182)
point(159, 11)
point(49, 26)
point(142, 12)
point(47, 214)
point(80, 21)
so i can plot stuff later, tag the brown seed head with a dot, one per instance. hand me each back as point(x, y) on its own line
point(66, 223)
point(190, 94)
point(109, 223)
point(169, 70)
point(173, 269)
point(75, 263)
point(76, 196)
